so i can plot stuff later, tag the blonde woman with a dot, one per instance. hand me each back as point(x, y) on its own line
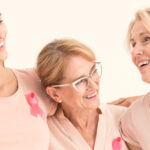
point(136, 122)
point(71, 76)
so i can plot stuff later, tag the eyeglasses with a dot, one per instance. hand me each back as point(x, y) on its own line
point(80, 85)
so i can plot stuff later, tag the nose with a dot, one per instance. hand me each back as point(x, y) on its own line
point(92, 84)
point(138, 50)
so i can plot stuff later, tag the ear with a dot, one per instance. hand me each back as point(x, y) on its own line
point(53, 93)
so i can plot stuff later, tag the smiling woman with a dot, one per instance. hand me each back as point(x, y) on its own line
point(24, 106)
point(135, 123)
point(71, 77)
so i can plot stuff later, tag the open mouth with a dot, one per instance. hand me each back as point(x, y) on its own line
point(144, 63)
point(90, 96)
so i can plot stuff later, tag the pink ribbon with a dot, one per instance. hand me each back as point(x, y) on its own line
point(34, 106)
point(116, 144)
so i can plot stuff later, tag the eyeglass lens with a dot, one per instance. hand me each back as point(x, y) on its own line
point(82, 85)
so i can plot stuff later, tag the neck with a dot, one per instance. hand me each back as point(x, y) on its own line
point(81, 118)
point(2, 64)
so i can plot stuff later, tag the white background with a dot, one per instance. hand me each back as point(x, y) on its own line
point(100, 24)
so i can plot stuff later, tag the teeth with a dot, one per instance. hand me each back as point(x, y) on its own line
point(143, 63)
point(1, 44)
point(89, 96)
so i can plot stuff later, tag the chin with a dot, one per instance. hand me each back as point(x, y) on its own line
point(146, 78)
point(94, 105)
point(4, 56)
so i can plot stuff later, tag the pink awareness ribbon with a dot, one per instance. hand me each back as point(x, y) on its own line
point(35, 109)
point(116, 144)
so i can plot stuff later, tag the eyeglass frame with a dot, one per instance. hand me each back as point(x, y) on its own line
point(73, 84)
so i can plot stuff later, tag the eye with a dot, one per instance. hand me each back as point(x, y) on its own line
point(147, 38)
point(1, 21)
point(80, 81)
point(133, 44)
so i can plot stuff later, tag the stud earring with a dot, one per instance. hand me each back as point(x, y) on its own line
point(59, 101)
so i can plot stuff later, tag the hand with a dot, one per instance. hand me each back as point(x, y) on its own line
point(132, 147)
point(125, 101)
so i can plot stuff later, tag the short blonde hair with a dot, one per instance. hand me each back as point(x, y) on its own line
point(54, 56)
point(144, 17)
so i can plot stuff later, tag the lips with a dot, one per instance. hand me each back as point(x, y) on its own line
point(90, 96)
point(143, 63)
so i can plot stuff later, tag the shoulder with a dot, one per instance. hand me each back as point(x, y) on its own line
point(139, 107)
point(26, 73)
point(30, 82)
point(28, 78)
point(116, 112)
point(138, 112)
point(135, 122)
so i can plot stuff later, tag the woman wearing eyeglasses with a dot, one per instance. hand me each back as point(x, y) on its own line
point(71, 76)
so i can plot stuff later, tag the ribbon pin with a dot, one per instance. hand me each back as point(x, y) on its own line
point(116, 144)
point(34, 106)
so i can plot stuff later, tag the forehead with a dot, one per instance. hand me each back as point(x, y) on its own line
point(138, 29)
point(77, 66)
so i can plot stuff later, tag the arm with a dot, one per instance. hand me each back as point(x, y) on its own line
point(126, 101)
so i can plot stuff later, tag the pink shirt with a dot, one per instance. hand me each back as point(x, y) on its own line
point(21, 127)
point(135, 124)
point(64, 136)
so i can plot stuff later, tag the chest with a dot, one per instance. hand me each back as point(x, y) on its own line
point(89, 135)
point(19, 127)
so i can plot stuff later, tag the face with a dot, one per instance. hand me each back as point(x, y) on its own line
point(79, 67)
point(3, 34)
point(140, 41)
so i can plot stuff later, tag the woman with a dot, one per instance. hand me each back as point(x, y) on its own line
point(24, 106)
point(71, 76)
point(136, 122)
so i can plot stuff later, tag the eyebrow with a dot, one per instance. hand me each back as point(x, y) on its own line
point(141, 34)
point(84, 75)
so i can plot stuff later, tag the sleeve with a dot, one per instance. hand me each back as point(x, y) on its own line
point(30, 82)
point(135, 123)
point(127, 129)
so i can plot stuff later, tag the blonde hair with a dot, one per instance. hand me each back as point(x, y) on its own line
point(53, 58)
point(144, 17)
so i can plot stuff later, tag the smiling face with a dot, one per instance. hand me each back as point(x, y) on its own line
point(3, 34)
point(140, 41)
point(78, 67)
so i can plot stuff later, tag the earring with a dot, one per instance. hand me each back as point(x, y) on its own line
point(59, 101)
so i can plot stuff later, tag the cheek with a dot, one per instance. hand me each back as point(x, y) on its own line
point(133, 57)
point(70, 94)
point(3, 55)
point(147, 50)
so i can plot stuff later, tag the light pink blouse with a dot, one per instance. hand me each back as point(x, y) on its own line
point(23, 124)
point(64, 136)
point(135, 124)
